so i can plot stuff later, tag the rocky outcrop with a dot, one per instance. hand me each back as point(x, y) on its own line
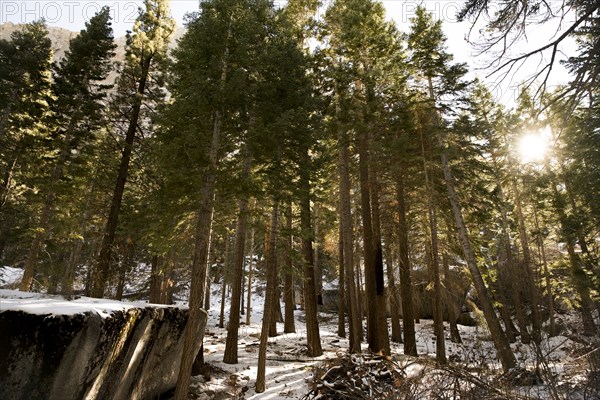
point(132, 353)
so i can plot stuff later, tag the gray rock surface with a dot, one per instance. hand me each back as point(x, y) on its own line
point(131, 354)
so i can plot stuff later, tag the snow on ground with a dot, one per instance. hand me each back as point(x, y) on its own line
point(42, 304)
point(289, 369)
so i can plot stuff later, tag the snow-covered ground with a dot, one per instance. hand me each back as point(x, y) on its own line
point(561, 362)
point(290, 371)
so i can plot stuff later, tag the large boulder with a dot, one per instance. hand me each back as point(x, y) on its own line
point(107, 350)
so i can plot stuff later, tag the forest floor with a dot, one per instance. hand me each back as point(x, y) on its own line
point(566, 366)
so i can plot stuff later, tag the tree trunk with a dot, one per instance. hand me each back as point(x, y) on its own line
point(368, 246)
point(288, 290)
point(231, 344)
point(530, 273)
point(382, 328)
point(408, 316)
point(341, 330)
point(224, 278)
point(199, 266)
point(452, 310)
point(501, 343)
point(250, 271)
point(393, 295)
point(580, 279)
point(514, 282)
point(346, 236)
point(317, 264)
point(269, 298)
point(438, 321)
point(156, 277)
point(126, 266)
point(44, 221)
point(544, 262)
point(102, 268)
point(310, 296)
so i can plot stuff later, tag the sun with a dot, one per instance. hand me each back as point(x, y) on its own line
point(533, 146)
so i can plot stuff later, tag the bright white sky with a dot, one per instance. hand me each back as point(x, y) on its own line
point(72, 14)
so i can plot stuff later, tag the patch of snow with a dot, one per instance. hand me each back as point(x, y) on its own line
point(43, 304)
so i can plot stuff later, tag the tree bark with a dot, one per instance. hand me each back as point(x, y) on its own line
point(231, 344)
point(368, 246)
point(250, 271)
point(501, 343)
point(310, 296)
point(224, 278)
point(341, 330)
point(382, 327)
point(408, 316)
point(289, 325)
point(393, 295)
point(452, 314)
point(530, 273)
point(269, 299)
point(346, 236)
point(438, 322)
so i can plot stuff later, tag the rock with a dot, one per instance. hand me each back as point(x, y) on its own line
point(132, 353)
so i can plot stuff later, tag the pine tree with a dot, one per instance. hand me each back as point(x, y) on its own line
point(25, 96)
point(146, 51)
point(77, 112)
point(426, 42)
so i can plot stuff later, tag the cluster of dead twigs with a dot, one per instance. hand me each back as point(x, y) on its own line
point(369, 376)
point(358, 376)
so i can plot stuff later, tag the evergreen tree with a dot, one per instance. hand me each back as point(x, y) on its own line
point(77, 113)
point(25, 95)
point(146, 51)
point(426, 41)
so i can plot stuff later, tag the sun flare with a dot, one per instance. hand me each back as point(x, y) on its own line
point(533, 146)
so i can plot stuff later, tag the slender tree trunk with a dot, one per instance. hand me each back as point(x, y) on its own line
point(269, 298)
point(156, 277)
point(382, 327)
point(408, 316)
point(44, 221)
point(288, 290)
point(550, 294)
point(250, 271)
point(224, 277)
point(341, 330)
point(310, 296)
point(580, 279)
point(276, 309)
point(393, 296)
point(368, 246)
point(451, 306)
point(501, 343)
point(199, 265)
point(166, 291)
point(514, 282)
point(438, 321)
point(346, 236)
point(126, 266)
point(316, 259)
point(231, 344)
point(69, 277)
point(530, 272)
point(102, 268)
